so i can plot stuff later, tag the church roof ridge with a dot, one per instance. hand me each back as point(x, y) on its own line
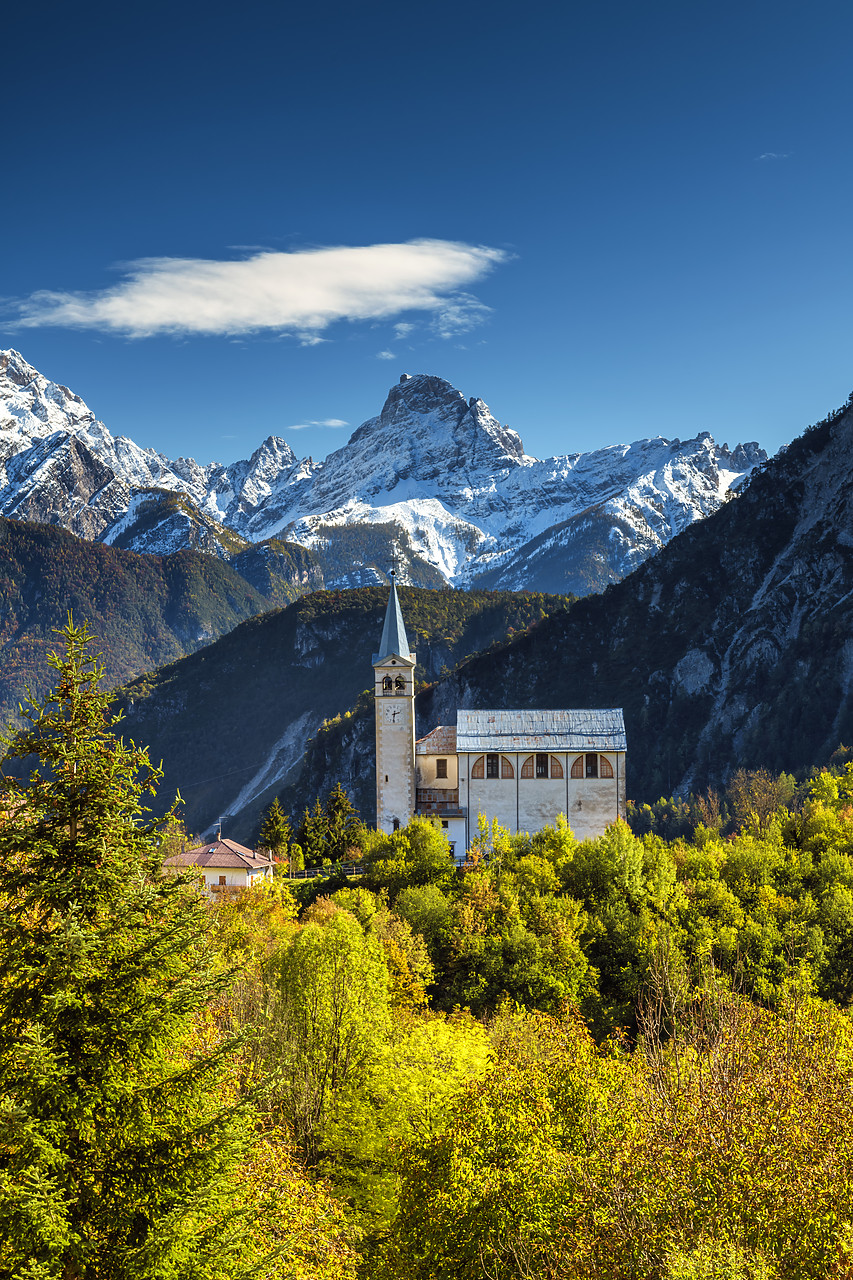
point(394, 639)
point(572, 729)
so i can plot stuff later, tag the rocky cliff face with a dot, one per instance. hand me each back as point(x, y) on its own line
point(732, 647)
point(60, 465)
point(434, 480)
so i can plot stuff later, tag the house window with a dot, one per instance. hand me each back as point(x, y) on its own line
point(441, 768)
point(477, 769)
point(591, 764)
point(492, 765)
point(222, 879)
point(396, 824)
point(527, 768)
point(387, 684)
point(444, 824)
point(541, 764)
point(577, 767)
point(400, 684)
point(556, 768)
point(605, 766)
point(507, 770)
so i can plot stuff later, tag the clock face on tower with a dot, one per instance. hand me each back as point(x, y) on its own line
point(392, 714)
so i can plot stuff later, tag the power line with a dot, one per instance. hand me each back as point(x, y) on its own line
point(217, 776)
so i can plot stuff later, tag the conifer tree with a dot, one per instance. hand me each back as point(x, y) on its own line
point(330, 832)
point(345, 828)
point(276, 834)
point(312, 835)
point(117, 1138)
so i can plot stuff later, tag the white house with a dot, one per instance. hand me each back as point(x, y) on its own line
point(522, 767)
point(224, 865)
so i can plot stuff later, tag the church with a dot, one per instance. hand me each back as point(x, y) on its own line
point(522, 767)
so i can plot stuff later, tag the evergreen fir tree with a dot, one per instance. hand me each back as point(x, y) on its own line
point(344, 827)
point(312, 835)
point(275, 833)
point(330, 832)
point(117, 1137)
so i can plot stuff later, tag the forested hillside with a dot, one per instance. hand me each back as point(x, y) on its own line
point(623, 1057)
point(231, 722)
point(144, 610)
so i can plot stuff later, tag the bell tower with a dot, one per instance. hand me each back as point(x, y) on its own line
point(394, 690)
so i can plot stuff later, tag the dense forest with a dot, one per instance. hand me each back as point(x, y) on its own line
point(147, 609)
point(623, 1057)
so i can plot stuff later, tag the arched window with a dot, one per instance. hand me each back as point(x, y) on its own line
point(507, 770)
point(387, 684)
point(400, 684)
point(605, 768)
point(591, 764)
point(577, 767)
point(478, 768)
point(527, 768)
point(556, 768)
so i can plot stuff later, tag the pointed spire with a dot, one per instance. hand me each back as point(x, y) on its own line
point(394, 631)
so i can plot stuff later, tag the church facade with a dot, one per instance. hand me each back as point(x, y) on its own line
point(522, 767)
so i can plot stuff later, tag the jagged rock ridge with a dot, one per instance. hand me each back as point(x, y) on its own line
point(434, 479)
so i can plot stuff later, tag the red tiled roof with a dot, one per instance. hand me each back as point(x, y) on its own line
point(220, 853)
point(442, 741)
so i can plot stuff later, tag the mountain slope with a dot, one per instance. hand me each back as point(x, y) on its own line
point(434, 481)
point(730, 647)
point(468, 500)
point(231, 722)
point(144, 610)
point(60, 465)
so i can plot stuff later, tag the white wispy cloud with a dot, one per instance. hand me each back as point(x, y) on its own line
point(403, 329)
point(319, 422)
point(299, 293)
point(774, 155)
point(385, 355)
point(459, 314)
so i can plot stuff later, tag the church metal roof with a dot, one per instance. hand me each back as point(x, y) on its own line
point(540, 730)
point(394, 639)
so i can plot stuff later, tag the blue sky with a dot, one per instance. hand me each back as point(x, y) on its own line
point(608, 221)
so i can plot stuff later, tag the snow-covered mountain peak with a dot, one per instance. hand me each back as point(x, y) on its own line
point(32, 405)
point(424, 400)
point(428, 439)
point(274, 454)
point(434, 476)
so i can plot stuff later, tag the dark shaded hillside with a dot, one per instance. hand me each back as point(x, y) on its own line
point(281, 571)
point(163, 521)
point(359, 555)
point(731, 647)
point(144, 610)
point(231, 722)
